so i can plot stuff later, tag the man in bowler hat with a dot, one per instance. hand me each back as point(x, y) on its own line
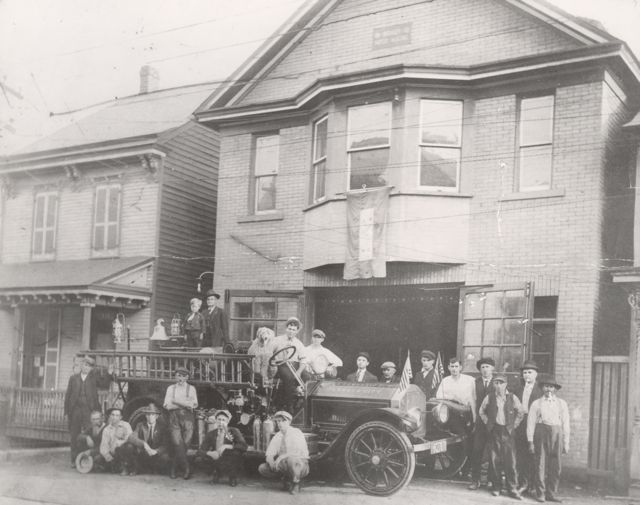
point(217, 331)
point(527, 393)
point(484, 386)
point(424, 378)
point(362, 374)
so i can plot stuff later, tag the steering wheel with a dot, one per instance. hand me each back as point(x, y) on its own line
point(288, 352)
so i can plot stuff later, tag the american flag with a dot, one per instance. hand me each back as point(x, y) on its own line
point(407, 374)
point(438, 372)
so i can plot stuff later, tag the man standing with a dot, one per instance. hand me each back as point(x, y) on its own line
point(286, 372)
point(527, 394)
point(322, 362)
point(424, 378)
point(362, 374)
point(181, 400)
point(548, 432)
point(194, 324)
point(225, 446)
point(115, 447)
point(502, 412)
point(389, 373)
point(287, 454)
point(217, 333)
point(151, 440)
point(483, 386)
point(80, 399)
point(458, 387)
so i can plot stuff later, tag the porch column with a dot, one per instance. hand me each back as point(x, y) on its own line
point(16, 345)
point(86, 305)
point(634, 384)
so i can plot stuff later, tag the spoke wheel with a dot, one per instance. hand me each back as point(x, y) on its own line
point(379, 458)
point(446, 464)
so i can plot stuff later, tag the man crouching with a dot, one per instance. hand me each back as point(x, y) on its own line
point(287, 454)
point(225, 446)
point(114, 447)
point(151, 442)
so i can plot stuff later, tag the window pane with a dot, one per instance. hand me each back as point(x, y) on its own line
point(469, 359)
point(319, 179)
point(544, 362)
point(545, 307)
point(241, 307)
point(511, 359)
point(473, 305)
point(267, 153)
point(492, 331)
point(439, 167)
point(368, 168)
point(493, 304)
point(39, 211)
point(52, 356)
point(51, 210)
point(266, 193)
point(369, 125)
point(101, 198)
point(472, 333)
point(514, 331)
point(514, 303)
point(535, 168)
point(48, 243)
point(98, 241)
point(38, 238)
point(441, 122)
point(112, 236)
point(536, 120)
point(50, 382)
point(542, 337)
point(320, 140)
point(114, 197)
point(241, 330)
point(264, 310)
point(491, 352)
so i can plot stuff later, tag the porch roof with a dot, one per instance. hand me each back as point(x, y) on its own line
point(85, 280)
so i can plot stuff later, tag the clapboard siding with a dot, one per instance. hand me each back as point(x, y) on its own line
point(186, 233)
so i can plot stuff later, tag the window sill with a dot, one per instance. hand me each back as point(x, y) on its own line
point(108, 253)
point(529, 195)
point(415, 192)
point(276, 215)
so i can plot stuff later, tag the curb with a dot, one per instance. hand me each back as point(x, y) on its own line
point(22, 454)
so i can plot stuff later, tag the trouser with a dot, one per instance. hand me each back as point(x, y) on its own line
point(181, 430)
point(480, 439)
point(291, 468)
point(193, 338)
point(525, 460)
point(79, 418)
point(502, 455)
point(287, 392)
point(123, 458)
point(230, 463)
point(547, 442)
point(152, 464)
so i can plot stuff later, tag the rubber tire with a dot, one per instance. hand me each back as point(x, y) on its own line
point(361, 445)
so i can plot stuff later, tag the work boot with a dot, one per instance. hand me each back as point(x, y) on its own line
point(173, 471)
point(295, 488)
point(474, 485)
point(187, 472)
point(553, 498)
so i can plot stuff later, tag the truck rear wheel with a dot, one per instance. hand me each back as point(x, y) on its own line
point(379, 458)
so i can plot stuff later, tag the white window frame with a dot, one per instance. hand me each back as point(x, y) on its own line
point(524, 146)
point(43, 254)
point(318, 160)
point(367, 148)
point(273, 173)
point(106, 251)
point(451, 147)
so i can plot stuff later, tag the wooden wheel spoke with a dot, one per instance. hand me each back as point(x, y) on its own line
point(365, 444)
point(396, 463)
point(395, 453)
point(363, 454)
point(363, 464)
point(373, 440)
point(393, 472)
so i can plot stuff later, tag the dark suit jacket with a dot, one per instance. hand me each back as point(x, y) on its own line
point(236, 439)
point(88, 433)
point(536, 393)
point(74, 386)
point(481, 392)
point(368, 377)
point(143, 434)
point(217, 334)
point(426, 383)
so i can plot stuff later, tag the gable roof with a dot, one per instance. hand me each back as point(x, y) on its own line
point(248, 89)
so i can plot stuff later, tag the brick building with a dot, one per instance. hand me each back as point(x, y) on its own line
point(112, 216)
point(496, 124)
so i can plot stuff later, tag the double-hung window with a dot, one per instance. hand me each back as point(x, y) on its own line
point(45, 216)
point(535, 143)
point(265, 171)
point(440, 144)
point(106, 220)
point(368, 145)
point(319, 170)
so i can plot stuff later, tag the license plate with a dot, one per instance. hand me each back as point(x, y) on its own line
point(438, 446)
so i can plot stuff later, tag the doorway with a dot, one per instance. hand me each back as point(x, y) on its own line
point(41, 347)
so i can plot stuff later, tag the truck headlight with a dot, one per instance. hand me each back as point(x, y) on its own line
point(416, 415)
point(441, 413)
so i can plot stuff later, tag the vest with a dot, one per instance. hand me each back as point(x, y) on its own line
point(509, 412)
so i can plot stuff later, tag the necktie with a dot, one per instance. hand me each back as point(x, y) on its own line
point(486, 385)
point(151, 432)
point(361, 376)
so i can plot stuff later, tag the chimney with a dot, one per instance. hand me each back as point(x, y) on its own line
point(149, 79)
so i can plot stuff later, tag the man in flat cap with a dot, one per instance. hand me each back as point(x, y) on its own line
point(322, 362)
point(389, 373)
point(217, 332)
point(483, 386)
point(548, 431)
point(362, 374)
point(502, 412)
point(151, 440)
point(115, 447)
point(181, 400)
point(80, 399)
point(527, 393)
point(287, 454)
point(289, 372)
point(424, 378)
point(224, 447)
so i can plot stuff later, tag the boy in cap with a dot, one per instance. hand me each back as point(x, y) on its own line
point(389, 373)
point(286, 372)
point(322, 362)
point(287, 454)
point(194, 324)
point(483, 385)
point(548, 432)
point(424, 378)
point(181, 400)
point(527, 393)
point(115, 447)
point(151, 440)
point(362, 374)
point(502, 412)
point(217, 327)
point(224, 446)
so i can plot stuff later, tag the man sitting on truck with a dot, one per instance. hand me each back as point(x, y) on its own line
point(286, 372)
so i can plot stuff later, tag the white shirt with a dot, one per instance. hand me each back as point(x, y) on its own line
point(462, 389)
point(291, 444)
point(552, 411)
point(312, 352)
point(283, 341)
point(186, 393)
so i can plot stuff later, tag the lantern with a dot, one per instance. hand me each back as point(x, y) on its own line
point(117, 328)
point(176, 325)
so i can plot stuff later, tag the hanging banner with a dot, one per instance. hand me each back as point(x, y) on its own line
point(366, 233)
